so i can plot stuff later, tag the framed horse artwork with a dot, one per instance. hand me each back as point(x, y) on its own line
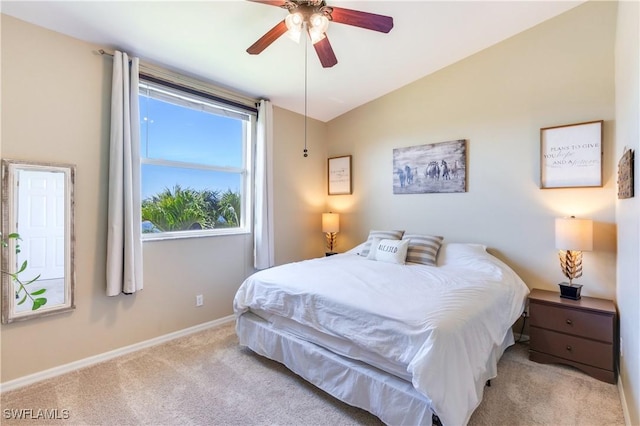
point(437, 167)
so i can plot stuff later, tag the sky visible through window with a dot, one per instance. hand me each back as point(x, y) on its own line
point(178, 133)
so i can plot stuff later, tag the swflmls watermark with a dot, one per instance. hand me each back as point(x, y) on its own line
point(35, 414)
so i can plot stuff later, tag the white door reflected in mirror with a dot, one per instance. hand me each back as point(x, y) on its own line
point(37, 262)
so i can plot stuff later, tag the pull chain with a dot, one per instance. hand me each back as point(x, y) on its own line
point(305, 96)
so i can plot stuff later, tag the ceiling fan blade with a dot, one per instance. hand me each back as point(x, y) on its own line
point(278, 3)
point(325, 53)
point(370, 21)
point(266, 40)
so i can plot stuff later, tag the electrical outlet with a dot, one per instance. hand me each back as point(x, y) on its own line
point(199, 300)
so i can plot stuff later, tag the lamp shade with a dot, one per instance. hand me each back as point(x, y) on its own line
point(330, 222)
point(574, 234)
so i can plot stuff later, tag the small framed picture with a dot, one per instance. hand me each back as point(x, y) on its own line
point(571, 155)
point(339, 175)
point(625, 175)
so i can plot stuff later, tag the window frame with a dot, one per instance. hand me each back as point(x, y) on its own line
point(214, 104)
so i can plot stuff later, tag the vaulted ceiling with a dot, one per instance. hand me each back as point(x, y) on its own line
point(208, 39)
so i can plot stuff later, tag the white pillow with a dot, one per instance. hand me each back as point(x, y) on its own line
point(392, 235)
point(373, 243)
point(457, 253)
point(356, 250)
point(392, 251)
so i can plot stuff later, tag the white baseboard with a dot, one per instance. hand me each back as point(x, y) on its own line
point(623, 401)
point(86, 362)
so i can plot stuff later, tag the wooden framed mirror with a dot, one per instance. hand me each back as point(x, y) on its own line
point(38, 274)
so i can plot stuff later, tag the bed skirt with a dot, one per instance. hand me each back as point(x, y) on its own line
point(393, 400)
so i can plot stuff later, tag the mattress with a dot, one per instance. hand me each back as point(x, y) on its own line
point(435, 327)
point(340, 346)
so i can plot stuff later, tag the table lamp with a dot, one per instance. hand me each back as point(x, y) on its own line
point(573, 236)
point(331, 226)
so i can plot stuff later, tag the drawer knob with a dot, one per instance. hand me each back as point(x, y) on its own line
point(569, 322)
point(568, 347)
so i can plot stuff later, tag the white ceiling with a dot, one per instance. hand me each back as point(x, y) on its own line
point(208, 39)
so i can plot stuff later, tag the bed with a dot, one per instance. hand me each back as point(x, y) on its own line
point(408, 342)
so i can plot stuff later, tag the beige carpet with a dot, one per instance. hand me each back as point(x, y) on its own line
point(206, 379)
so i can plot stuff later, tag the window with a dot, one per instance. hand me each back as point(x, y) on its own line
point(196, 161)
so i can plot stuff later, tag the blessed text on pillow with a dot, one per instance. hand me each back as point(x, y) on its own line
point(389, 235)
point(392, 251)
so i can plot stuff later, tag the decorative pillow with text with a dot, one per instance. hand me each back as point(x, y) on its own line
point(389, 235)
point(392, 251)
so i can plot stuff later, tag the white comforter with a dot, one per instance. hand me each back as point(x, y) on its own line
point(441, 322)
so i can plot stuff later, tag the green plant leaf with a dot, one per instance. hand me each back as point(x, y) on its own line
point(33, 280)
point(38, 302)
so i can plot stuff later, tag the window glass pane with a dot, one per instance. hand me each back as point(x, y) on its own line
point(195, 159)
point(185, 134)
point(180, 199)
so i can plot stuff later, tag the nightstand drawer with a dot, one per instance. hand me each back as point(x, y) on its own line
point(597, 354)
point(594, 325)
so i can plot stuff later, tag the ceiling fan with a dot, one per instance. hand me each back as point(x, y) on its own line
point(314, 16)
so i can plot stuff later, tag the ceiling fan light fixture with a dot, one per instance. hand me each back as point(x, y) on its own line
point(313, 16)
point(294, 35)
point(318, 25)
point(316, 35)
point(294, 20)
point(294, 23)
point(319, 21)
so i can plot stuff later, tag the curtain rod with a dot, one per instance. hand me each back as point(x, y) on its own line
point(224, 95)
point(105, 53)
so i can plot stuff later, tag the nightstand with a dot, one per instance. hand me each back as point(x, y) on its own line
point(581, 333)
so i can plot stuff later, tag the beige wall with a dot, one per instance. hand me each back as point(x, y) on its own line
point(55, 107)
point(299, 187)
point(559, 72)
point(627, 79)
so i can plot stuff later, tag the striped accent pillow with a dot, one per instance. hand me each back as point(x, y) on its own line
point(423, 249)
point(383, 235)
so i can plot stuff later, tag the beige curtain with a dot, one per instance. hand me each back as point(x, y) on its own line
point(124, 239)
point(263, 252)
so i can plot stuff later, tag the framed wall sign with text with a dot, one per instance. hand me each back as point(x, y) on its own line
point(571, 155)
point(339, 175)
